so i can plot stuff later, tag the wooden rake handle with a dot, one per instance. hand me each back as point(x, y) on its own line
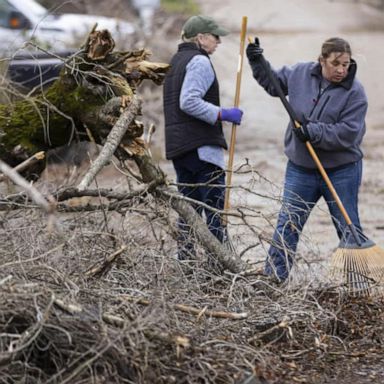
point(236, 104)
point(309, 146)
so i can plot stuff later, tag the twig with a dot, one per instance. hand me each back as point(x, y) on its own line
point(5, 279)
point(164, 337)
point(219, 314)
point(192, 310)
point(70, 193)
point(98, 268)
point(176, 195)
point(27, 163)
point(151, 131)
point(70, 308)
point(32, 259)
point(282, 325)
point(298, 353)
point(33, 193)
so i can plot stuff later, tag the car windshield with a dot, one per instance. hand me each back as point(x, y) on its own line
point(29, 8)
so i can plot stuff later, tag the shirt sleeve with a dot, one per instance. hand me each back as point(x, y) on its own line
point(263, 78)
point(198, 79)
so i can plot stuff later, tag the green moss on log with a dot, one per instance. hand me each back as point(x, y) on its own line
point(36, 123)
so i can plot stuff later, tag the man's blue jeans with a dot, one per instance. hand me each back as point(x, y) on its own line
point(303, 188)
point(207, 184)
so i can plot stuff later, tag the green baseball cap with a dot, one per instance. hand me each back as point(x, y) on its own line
point(202, 24)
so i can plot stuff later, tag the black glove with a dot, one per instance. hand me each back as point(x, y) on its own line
point(302, 132)
point(254, 51)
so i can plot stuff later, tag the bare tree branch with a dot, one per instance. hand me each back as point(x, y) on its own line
point(27, 163)
point(33, 193)
point(226, 258)
point(112, 142)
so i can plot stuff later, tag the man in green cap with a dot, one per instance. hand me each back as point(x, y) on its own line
point(194, 138)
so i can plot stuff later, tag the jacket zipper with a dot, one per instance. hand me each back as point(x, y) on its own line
point(319, 95)
point(323, 106)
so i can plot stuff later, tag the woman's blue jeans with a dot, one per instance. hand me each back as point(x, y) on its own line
point(207, 184)
point(302, 189)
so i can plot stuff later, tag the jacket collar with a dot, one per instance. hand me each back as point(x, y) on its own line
point(191, 46)
point(347, 82)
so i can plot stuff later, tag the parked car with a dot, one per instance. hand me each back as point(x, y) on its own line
point(29, 69)
point(25, 20)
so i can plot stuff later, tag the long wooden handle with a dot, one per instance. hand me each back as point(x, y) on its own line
point(236, 104)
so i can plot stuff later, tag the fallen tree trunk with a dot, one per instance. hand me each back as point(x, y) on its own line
point(94, 88)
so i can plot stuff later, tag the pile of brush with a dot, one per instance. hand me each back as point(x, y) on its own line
point(100, 302)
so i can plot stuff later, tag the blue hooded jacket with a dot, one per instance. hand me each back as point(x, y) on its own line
point(336, 116)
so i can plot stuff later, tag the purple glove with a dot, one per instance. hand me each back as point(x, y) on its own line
point(232, 115)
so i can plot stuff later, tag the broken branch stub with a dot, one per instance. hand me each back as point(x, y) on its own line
point(100, 44)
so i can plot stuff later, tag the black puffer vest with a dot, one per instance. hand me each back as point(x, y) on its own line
point(184, 133)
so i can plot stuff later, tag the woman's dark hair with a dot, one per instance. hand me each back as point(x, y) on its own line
point(335, 44)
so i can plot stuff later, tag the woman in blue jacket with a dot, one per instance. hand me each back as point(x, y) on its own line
point(331, 105)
